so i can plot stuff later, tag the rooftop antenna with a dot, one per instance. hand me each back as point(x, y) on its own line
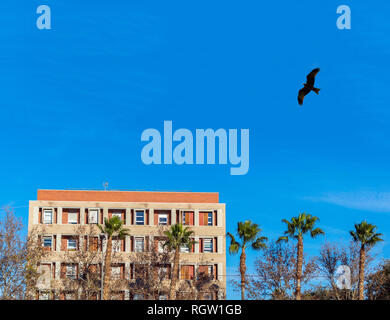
point(105, 185)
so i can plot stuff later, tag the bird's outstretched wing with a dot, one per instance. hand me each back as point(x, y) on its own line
point(310, 77)
point(301, 94)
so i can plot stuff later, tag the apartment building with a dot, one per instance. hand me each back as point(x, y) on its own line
point(56, 214)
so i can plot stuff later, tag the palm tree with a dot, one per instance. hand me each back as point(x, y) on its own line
point(249, 233)
point(112, 227)
point(177, 236)
point(296, 229)
point(366, 235)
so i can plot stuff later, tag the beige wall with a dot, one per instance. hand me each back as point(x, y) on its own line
point(218, 231)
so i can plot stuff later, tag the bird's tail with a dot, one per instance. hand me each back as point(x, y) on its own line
point(316, 90)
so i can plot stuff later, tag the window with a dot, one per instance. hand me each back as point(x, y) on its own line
point(184, 249)
point(93, 215)
point(116, 245)
point(44, 296)
point(205, 271)
point(206, 218)
point(208, 245)
point(162, 219)
point(72, 217)
point(187, 272)
point(116, 272)
point(209, 218)
point(207, 296)
point(188, 218)
point(117, 214)
point(47, 216)
point(160, 245)
point(162, 297)
point(68, 296)
point(210, 270)
point(162, 272)
point(138, 297)
point(139, 217)
point(139, 244)
point(71, 271)
point(47, 242)
point(72, 244)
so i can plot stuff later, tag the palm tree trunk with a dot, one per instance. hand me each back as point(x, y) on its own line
point(242, 272)
point(362, 262)
point(175, 275)
point(299, 268)
point(107, 270)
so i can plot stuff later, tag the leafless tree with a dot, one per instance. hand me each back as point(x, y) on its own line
point(86, 285)
point(333, 255)
point(151, 273)
point(275, 273)
point(19, 258)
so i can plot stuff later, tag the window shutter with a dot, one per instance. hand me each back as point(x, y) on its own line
point(146, 243)
point(63, 271)
point(215, 244)
point(202, 269)
point(191, 272)
point(64, 216)
point(64, 244)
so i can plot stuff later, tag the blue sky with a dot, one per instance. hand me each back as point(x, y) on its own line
point(76, 98)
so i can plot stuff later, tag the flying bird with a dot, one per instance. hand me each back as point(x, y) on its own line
point(308, 86)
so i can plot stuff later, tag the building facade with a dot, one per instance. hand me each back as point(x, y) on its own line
point(57, 216)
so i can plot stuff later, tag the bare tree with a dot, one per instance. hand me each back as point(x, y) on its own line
point(151, 271)
point(204, 285)
point(378, 283)
point(34, 254)
point(275, 273)
point(87, 283)
point(19, 258)
point(333, 255)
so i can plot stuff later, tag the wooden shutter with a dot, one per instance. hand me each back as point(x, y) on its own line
point(155, 219)
point(65, 216)
point(146, 243)
point(203, 270)
point(63, 271)
point(64, 244)
point(146, 222)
